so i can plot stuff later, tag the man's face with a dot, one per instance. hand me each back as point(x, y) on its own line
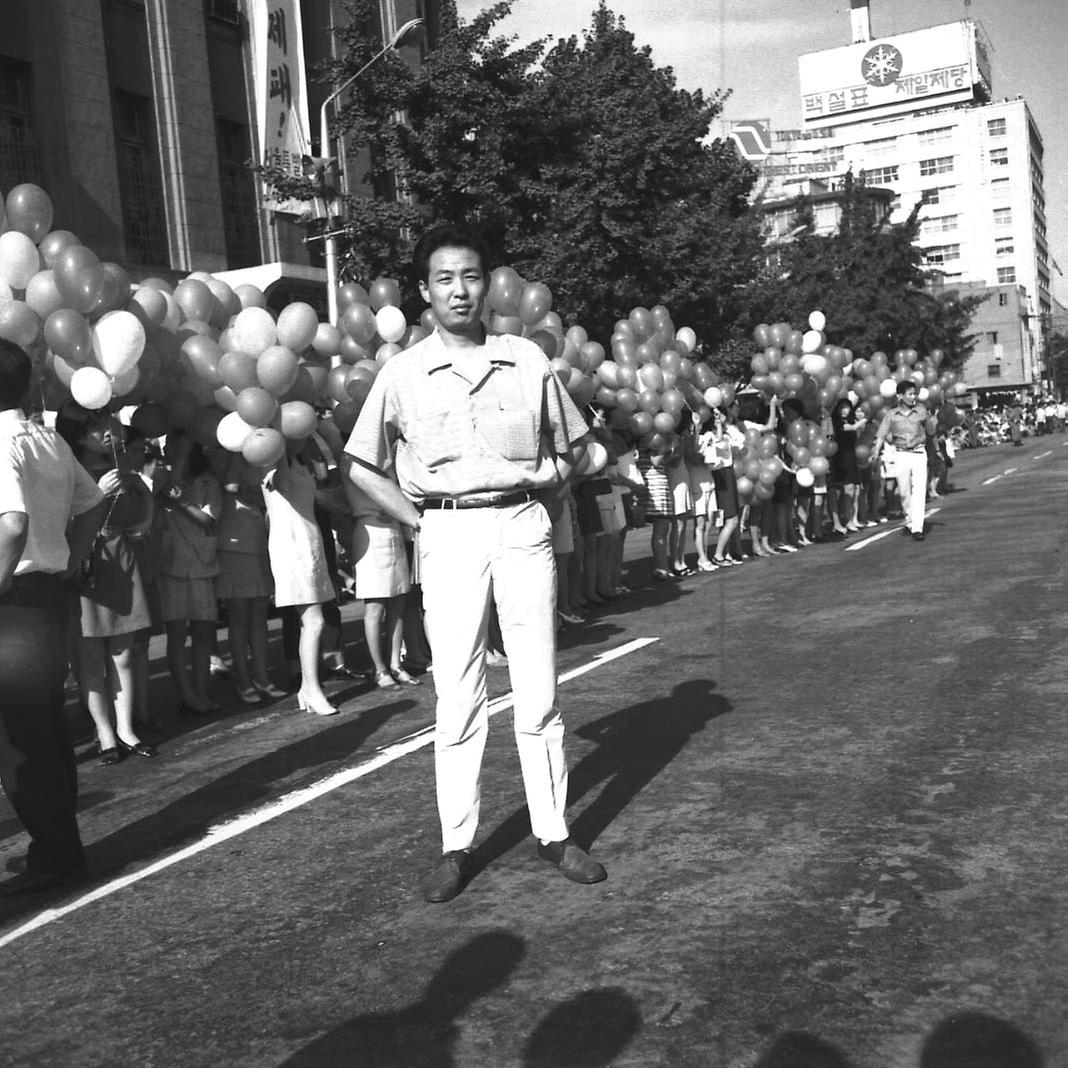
point(908, 398)
point(455, 289)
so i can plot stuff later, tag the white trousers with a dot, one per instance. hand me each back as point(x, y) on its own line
point(912, 486)
point(468, 559)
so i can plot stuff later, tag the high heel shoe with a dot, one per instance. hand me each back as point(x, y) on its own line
point(384, 680)
point(249, 696)
point(313, 704)
point(186, 710)
point(269, 690)
point(142, 749)
point(402, 676)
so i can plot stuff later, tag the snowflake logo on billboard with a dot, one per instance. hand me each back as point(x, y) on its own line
point(881, 65)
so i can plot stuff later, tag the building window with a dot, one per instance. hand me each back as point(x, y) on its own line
point(939, 165)
point(241, 230)
point(996, 127)
point(1003, 216)
point(226, 10)
point(993, 370)
point(999, 157)
point(1006, 274)
point(999, 186)
point(1003, 246)
point(992, 337)
point(20, 160)
point(934, 137)
point(885, 146)
point(942, 253)
point(139, 181)
point(940, 225)
point(1003, 299)
point(880, 175)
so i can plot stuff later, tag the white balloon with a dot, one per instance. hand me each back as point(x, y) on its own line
point(888, 388)
point(233, 432)
point(817, 320)
point(19, 259)
point(813, 364)
point(253, 331)
point(391, 323)
point(118, 341)
point(805, 477)
point(90, 387)
point(686, 335)
point(811, 340)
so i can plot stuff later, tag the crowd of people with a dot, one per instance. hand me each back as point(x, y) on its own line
point(1001, 423)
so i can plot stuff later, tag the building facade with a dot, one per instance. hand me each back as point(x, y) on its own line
point(973, 167)
point(139, 118)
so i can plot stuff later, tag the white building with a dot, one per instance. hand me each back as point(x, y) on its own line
point(912, 114)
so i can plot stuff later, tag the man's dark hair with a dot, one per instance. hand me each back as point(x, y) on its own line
point(448, 235)
point(15, 372)
point(905, 386)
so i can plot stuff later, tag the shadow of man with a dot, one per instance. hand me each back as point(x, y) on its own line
point(587, 1031)
point(634, 745)
point(422, 1035)
point(975, 1040)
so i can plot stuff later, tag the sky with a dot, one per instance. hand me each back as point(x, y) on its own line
point(751, 47)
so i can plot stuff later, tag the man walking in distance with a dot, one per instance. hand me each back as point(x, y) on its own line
point(50, 509)
point(477, 430)
point(907, 426)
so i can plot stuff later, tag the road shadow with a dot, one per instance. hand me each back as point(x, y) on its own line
point(975, 1040)
point(238, 790)
point(424, 1034)
point(799, 1049)
point(588, 1031)
point(633, 746)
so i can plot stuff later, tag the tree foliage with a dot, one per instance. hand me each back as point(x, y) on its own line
point(869, 280)
point(592, 173)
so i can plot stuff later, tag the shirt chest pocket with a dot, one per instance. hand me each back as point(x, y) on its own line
point(510, 432)
point(438, 436)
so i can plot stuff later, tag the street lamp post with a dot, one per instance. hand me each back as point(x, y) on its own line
point(330, 243)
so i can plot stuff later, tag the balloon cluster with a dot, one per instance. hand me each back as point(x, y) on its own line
point(653, 377)
point(801, 364)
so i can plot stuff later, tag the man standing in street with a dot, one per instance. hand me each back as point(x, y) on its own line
point(907, 426)
point(478, 431)
point(50, 508)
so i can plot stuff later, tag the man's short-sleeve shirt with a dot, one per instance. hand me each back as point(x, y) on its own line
point(40, 477)
point(490, 421)
point(907, 429)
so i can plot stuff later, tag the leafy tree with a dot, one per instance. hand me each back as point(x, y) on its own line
point(592, 174)
point(870, 281)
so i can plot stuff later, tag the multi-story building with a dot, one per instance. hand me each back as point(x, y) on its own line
point(141, 117)
point(913, 114)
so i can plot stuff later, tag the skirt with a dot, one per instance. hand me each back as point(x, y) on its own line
point(657, 498)
point(381, 560)
point(726, 484)
point(243, 576)
point(681, 496)
point(190, 599)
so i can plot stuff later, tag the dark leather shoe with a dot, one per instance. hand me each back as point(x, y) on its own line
point(110, 757)
point(919, 536)
point(573, 861)
point(141, 749)
point(449, 877)
point(38, 882)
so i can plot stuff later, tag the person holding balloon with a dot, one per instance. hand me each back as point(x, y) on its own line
point(114, 606)
point(299, 564)
point(189, 503)
point(846, 424)
point(479, 433)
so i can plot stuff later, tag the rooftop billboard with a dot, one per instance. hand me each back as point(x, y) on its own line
point(924, 68)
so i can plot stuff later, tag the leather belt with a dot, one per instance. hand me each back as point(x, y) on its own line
point(458, 503)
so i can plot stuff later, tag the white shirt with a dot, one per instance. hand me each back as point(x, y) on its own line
point(40, 477)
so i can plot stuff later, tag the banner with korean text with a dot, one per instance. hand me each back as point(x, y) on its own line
point(281, 89)
point(894, 75)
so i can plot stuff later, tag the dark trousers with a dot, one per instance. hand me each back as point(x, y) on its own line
point(37, 766)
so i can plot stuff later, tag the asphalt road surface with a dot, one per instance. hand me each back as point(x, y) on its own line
point(829, 789)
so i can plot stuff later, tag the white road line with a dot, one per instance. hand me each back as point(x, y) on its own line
point(1011, 470)
point(222, 832)
point(1042, 455)
point(988, 481)
point(885, 533)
